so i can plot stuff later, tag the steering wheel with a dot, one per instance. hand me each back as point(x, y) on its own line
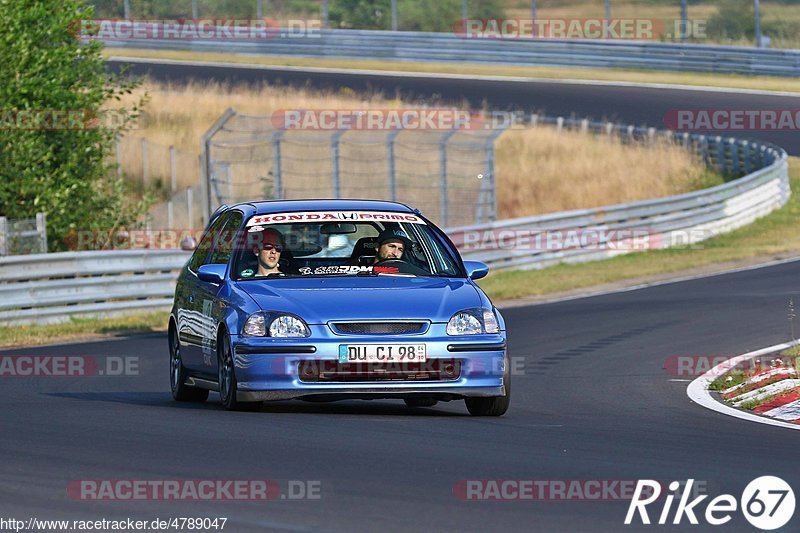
point(402, 267)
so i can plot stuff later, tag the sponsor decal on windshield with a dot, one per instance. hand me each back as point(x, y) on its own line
point(334, 216)
point(347, 269)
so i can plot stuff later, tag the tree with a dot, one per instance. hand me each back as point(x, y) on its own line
point(54, 140)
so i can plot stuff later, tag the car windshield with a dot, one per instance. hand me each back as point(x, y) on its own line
point(350, 243)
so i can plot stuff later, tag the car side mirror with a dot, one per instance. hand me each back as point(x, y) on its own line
point(476, 269)
point(188, 244)
point(212, 273)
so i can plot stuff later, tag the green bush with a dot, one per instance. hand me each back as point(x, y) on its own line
point(412, 15)
point(61, 171)
point(734, 20)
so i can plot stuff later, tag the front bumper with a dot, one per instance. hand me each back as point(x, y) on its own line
point(268, 368)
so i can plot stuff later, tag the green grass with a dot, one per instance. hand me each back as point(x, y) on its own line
point(773, 235)
point(82, 328)
point(721, 383)
point(766, 83)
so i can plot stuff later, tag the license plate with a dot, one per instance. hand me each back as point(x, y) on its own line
point(382, 353)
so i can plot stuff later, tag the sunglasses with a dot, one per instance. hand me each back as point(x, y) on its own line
point(277, 247)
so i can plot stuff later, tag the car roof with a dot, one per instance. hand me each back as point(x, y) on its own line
point(282, 206)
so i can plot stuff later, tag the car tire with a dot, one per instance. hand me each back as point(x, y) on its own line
point(178, 374)
point(493, 405)
point(420, 402)
point(226, 378)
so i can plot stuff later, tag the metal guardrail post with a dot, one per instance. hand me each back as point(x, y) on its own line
point(3, 236)
point(277, 177)
point(41, 229)
point(392, 164)
point(443, 197)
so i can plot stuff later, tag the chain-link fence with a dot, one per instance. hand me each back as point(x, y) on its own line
point(23, 236)
point(449, 175)
point(173, 174)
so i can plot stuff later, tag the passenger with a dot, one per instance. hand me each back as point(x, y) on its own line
point(269, 252)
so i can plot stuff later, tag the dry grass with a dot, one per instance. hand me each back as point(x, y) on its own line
point(538, 170)
point(544, 170)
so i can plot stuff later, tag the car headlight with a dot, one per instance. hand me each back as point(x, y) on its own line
point(275, 324)
point(473, 322)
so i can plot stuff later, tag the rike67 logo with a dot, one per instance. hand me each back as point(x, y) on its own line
point(767, 503)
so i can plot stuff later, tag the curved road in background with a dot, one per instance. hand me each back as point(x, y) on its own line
point(592, 401)
point(635, 105)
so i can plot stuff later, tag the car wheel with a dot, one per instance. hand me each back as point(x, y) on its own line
point(227, 378)
point(493, 405)
point(177, 374)
point(420, 402)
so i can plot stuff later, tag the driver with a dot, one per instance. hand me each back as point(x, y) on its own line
point(269, 252)
point(392, 244)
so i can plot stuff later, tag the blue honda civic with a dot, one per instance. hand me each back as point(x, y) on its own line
point(326, 300)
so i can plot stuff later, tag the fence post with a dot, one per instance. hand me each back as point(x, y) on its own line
point(3, 236)
point(277, 177)
point(734, 148)
point(41, 229)
point(205, 160)
point(443, 199)
point(173, 170)
point(170, 214)
point(335, 177)
point(392, 165)
point(189, 205)
point(119, 157)
point(747, 149)
point(488, 184)
point(144, 162)
point(720, 154)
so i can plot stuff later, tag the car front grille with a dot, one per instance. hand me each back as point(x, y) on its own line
point(379, 328)
point(311, 371)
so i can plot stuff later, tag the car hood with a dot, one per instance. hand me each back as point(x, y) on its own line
point(319, 300)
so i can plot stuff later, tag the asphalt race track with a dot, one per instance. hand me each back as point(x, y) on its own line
point(594, 403)
point(634, 105)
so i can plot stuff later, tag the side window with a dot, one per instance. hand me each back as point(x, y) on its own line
point(223, 248)
point(201, 252)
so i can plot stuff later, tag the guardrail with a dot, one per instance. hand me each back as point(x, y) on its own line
point(49, 287)
point(444, 47)
point(685, 219)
